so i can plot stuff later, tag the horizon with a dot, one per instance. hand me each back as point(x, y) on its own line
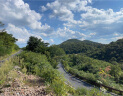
point(55, 21)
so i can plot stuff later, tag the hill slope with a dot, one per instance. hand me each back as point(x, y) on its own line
point(76, 46)
point(111, 52)
point(108, 52)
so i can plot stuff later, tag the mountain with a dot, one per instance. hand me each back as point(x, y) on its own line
point(76, 46)
point(111, 52)
point(108, 52)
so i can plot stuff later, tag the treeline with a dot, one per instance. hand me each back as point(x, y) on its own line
point(7, 43)
point(94, 70)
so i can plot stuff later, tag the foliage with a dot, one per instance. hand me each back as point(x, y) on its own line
point(76, 46)
point(36, 45)
point(38, 64)
point(92, 70)
point(52, 53)
point(4, 70)
point(104, 73)
point(81, 91)
point(56, 51)
point(91, 92)
point(7, 42)
point(112, 52)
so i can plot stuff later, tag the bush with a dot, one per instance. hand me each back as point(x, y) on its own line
point(38, 64)
point(81, 91)
point(4, 70)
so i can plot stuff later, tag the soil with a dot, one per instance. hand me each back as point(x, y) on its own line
point(25, 85)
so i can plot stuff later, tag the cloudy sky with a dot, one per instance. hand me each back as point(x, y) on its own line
point(58, 20)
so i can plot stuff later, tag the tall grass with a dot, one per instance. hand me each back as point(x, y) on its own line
point(4, 70)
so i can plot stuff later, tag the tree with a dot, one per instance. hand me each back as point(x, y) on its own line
point(36, 45)
point(115, 71)
point(7, 39)
point(7, 42)
point(56, 51)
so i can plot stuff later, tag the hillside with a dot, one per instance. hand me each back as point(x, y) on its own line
point(25, 85)
point(93, 70)
point(111, 52)
point(76, 46)
point(108, 52)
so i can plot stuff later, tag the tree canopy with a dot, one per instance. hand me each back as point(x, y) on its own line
point(7, 42)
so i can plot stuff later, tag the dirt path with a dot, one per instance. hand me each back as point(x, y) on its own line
point(2, 61)
point(25, 85)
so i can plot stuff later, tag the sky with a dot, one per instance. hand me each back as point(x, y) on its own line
point(55, 21)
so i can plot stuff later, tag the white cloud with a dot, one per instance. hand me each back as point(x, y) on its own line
point(95, 23)
point(50, 41)
point(21, 34)
point(103, 22)
point(66, 33)
point(43, 8)
point(19, 13)
point(63, 8)
point(91, 34)
point(21, 21)
point(120, 37)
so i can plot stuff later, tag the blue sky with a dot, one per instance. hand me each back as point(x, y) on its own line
point(55, 21)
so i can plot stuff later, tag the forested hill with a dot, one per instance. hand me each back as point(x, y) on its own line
point(108, 52)
point(76, 46)
point(111, 52)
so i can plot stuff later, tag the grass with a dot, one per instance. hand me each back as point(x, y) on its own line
point(4, 71)
point(6, 56)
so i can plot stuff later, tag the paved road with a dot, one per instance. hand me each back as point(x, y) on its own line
point(74, 82)
point(2, 61)
point(77, 83)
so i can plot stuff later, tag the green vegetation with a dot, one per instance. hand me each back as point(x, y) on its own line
point(36, 45)
point(37, 64)
point(7, 43)
point(52, 53)
point(112, 52)
point(92, 70)
point(42, 61)
point(38, 58)
point(92, 92)
point(5, 69)
point(76, 46)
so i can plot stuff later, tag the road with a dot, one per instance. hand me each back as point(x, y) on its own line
point(2, 61)
point(77, 83)
point(74, 82)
